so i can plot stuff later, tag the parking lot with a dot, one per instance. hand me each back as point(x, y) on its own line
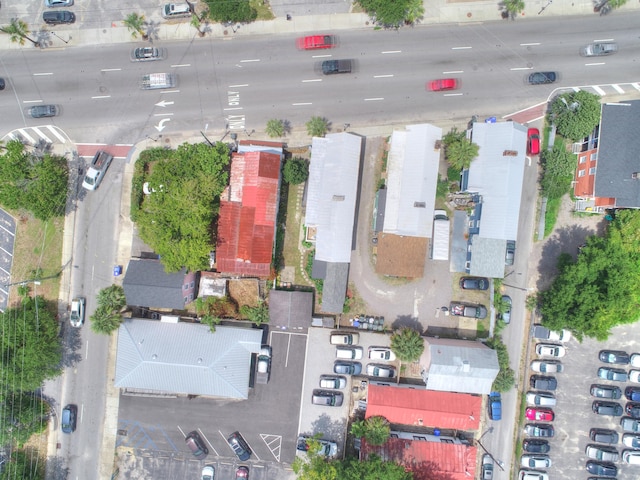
point(574, 416)
point(153, 428)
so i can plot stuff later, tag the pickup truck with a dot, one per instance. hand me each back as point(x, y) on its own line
point(331, 67)
point(97, 169)
point(464, 310)
point(315, 42)
point(495, 406)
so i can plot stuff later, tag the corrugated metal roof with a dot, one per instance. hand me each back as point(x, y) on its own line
point(333, 189)
point(427, 460)
point(412, 180)
point(246, 225)
point(185, 358)
point(499, 177)
point(424, 408)
point(459, 366)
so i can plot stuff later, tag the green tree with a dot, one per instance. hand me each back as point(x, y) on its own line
point(373, 468)
point(31, 349)
point(18, 32)
point(407, 344)
point(505, 380)
point(576, 114)
point(211, 321)
point(112, 298)
point(24, 466)
point(318, 126)
point(46, 193)
point(314, 467)
point(275, 128)
point(258, 315)
point(375, 430)
point(558, 169)
point(176, 221)
point(392, 14)
point(105, 321)
point(296, 171)
point(601, 289)
point(414, 12)
point(613, 4)
point(460, 153)
point(135, 23)
point(512, 8)
point(232, 11)
point(22, 415)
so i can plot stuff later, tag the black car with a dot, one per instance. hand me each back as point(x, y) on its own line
point(474, 283)
point(58, 17)
point(603, 469)
point(541, 382)
point(617, 357)
point(239, 446)
point(632, 393)
point(539, 430)
point(607, 408)
point(196, 445)
point(602, 435)
point(532, 445)
point(606, 391)
point(540, 78)
point(1, 83)
point(633, 410)
point(68, 418)
point(40, 111)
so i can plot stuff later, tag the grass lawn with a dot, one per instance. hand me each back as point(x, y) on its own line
point(292, 235)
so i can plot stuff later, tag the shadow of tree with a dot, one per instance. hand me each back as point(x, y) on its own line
point(57, 468)
point(407, 321)
point(151, 29)
point(329, 428)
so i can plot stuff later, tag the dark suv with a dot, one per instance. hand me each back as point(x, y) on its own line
point(541, 382)
point(57, 17)
point(239, 446)
point(68, 419)
point(607, 408)
point(39, 111)
point(196, 445)
point(602, 435)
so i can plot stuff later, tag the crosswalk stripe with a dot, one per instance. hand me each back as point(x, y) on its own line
point(636, 86)
point(600, 91)
point(41, 135)
point(12, 136)
point(54, 130)
point(575, 89)
point(617, 88)
point(26, 135)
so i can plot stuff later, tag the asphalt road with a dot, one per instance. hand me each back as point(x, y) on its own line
point(242, 82)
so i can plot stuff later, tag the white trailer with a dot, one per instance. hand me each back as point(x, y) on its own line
point(440, 237)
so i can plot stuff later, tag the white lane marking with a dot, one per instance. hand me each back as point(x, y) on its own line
point(86, 349)
point(239, 85)
point(232, 108)
point(170, 91)
point(41, 135)
point(163, 114)
point(599, 90)
point(382, 76)
point(101, 96)
point(375, 99)
point(593, 64)
point(461, 48)
point(453, 94)
point(164, 103)
point(181, 431)
point(314, 80)
point(180, 65)
point(250, 60)
point(26, 135)
point(604, 40)
point(110, 69)
point(388, 52)
point(617, 88)
point(32, 101)
point(326, 55)
point(303, 103)
point(520, 68)
point(529, 44)
point(53, 130)
point(42, 74)
point(575, 89)
point(453, 71)
point(124, 144)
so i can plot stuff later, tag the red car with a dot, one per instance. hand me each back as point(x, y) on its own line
point(544, 414)
point(442, 84)
point(533, 141)
point(242, 472)
point(315, 42)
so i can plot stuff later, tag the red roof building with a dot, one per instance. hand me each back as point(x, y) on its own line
point(425, 408)
point(248, 212)
point(427, 460)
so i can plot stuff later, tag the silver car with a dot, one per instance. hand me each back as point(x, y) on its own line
point(147, 54)
point(76, 317)
point(599, 49)
point(383, 371)
point(58, 3)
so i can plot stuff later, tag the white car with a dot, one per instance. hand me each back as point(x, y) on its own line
point(381, 353)
point(380, 371)
point(208, 473)
point(532, 475)
point(540, 399)
point(564, 336)
point(634, 361)
point(634, 376)
point(549, 350)
point(264, 359)
point(325, 447)
point(542, 366)
point(76, 317)
point(535, 461)
point(631, 457)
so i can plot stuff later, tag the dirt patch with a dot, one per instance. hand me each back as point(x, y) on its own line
point(244, 292)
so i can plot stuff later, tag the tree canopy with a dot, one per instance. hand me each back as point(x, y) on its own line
point(459, 151)
point(393, 14)
point(601, 289)
point(407, 344)
point(232, 11)
point(33, 183)
point(576, 114)
point(21, 416)
point(177, 218)
point(23, 465)
point(374, 429)
point(108, 317)
point(296, 171)
point(317, 467)
point(318, 126)
point(559, 166)
point(506, 379)
point(31, 349)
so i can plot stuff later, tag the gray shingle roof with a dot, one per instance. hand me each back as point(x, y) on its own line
point(185, 358)
point(146, 284)
point(619, 154)
point(334, 288)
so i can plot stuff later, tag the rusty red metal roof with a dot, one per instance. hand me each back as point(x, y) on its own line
point(425, 408)
point(427, 460)
point(246, 225)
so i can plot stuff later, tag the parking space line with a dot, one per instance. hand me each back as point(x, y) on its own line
point(183, 434)
point(277, 448)
point(210, 444)
point(286, 361)
point(304, 379)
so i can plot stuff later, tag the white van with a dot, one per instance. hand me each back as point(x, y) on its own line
point(176, 10)
point(349, 353)
point(344, 338)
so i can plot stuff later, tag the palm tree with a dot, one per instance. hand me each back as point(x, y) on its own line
point(135, 23)
point(275, 128)
point(407, 344)
point(317, 126)
point(104, 321)
point(512, 8)
point(112, 298)
point(415, 11)
point(18, 32)
point(459, 154)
